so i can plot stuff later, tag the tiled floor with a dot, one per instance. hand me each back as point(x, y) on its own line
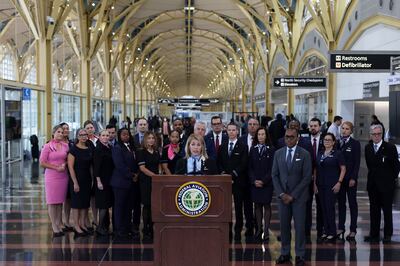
point(26, 237)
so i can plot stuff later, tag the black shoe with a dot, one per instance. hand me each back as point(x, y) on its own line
point(340, 236)
point(90, 229)
point(283, 259)
point(300, 261)
point(67, 228)
point(308, 240)
point(351, 236)
point(58, 234)
point(249, 232)
point(387, 240)
point(278, 238)
point(330, 239)
point(77, 234)
point(266, 238)
point(371, 239)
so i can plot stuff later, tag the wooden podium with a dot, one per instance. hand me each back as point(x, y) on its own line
point(183, 240)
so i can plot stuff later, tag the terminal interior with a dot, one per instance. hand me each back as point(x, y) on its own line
point(74, 60)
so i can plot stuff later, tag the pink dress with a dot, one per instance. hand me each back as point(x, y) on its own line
point(55, 183)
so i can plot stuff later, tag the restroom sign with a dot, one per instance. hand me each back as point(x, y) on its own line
point(362, 61)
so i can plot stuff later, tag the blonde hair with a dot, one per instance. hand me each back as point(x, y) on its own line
point(349, 124)
point(200, 139)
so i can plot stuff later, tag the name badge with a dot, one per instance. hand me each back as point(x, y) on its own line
point(348, 149)
point(298, 159)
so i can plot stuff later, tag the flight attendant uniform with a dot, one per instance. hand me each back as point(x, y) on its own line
point(328, 172)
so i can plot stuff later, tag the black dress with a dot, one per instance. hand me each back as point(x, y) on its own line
point(260, 166)
point(171, 163)
point(103, 167)
point(83, 162)
point(151, 161)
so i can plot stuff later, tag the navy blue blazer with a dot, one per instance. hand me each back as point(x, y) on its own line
point(320, 148)
point(125, 166)
point(136, 140)
point(352, 156)
point(260, 165)
point(210, 144)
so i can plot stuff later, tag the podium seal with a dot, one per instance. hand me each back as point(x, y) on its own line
point(193, 199)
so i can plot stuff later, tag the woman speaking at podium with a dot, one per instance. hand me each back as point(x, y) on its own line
point(196, 161)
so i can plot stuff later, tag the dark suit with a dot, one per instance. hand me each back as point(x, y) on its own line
point(136, 141)
point(243, 139)
point(351, 151)
point(210, 144)
point(293, 180)
point(319, 218)
point(383, 170)
point(122, 183)
point(236, 165)
point(209, 167)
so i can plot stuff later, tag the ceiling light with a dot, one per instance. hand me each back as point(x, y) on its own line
point(191, 8)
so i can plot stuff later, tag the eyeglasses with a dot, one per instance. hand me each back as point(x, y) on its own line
point(83, 135)
point(376, 134)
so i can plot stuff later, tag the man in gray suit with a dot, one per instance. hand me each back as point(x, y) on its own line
point(291, 175)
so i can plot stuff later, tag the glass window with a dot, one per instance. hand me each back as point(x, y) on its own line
point(66, 109)
point(7, 64)
point(312, 104)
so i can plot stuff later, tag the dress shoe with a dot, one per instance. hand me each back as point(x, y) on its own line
point(340, 236)
point(300, 261)
point(278, 238)
point(387, 239)
point(67, 228)
point(330, 239)
point(283, 259)
point(58, 234)
point(351, 237)
point(371, 239)
point(79, 234)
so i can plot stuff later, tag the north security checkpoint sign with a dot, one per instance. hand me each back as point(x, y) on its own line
point(361, 61)
point(299, 82)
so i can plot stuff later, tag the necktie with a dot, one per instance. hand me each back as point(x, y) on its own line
point(217, 144)
point(129, 147)
point(289, 158)
point(376, 148)
point(314, 147)
point(230, 148)
point(194, 165)
point(140, 139)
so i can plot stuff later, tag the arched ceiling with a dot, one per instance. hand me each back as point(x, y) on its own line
point(184, 46)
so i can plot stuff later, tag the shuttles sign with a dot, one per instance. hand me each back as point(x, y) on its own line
point(361, 61)
point(299, 82)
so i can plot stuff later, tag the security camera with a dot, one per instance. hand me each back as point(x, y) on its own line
point(51, 20)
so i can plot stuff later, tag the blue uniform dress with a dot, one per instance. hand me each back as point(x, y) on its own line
point(328, 172)
point(260, 166)
point(351, 150)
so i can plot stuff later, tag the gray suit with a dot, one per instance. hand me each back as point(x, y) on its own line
point(295, 182)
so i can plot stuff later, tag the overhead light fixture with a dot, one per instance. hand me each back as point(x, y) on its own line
point(191, 8)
